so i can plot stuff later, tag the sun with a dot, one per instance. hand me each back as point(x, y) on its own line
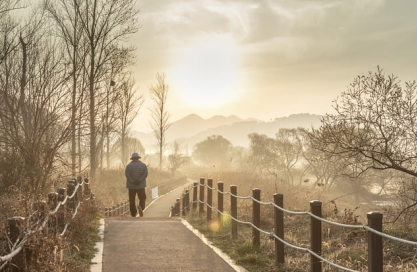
point(207, 72)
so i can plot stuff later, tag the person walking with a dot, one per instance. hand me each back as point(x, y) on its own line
point(136, 173)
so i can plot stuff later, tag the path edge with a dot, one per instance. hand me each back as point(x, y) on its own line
point(97, 261)
point(218, 251)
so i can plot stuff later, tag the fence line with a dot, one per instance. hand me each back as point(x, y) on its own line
point(58, 199)
point(374, 227)
point(122, 208)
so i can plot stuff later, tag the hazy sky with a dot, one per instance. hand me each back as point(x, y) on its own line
point(268, 59)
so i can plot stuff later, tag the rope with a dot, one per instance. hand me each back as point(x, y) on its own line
point(390, 237)
point(238, 197)
point(302, 213)
point(17, 247)
point(290, 245)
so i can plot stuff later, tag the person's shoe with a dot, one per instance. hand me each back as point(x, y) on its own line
point(137, 215)
point(140, 211)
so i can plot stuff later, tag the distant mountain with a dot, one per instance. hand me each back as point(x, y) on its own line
point(237, 133)
point(193, 129)
point(193, 124)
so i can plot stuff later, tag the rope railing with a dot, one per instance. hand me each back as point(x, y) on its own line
point(340, 224)
point(119, 209)
point(18, 236)
point(122, 208)
point(374, 227)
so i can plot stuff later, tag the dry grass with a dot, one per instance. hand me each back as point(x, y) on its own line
point(345, 247)
point(46, 250)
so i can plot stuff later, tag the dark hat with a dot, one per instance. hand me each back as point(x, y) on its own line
point(135, 156)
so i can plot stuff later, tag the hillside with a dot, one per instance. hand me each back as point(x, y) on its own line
point(193, 129)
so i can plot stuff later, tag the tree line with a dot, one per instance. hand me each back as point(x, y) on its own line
point(66, 88)
point(368, 143)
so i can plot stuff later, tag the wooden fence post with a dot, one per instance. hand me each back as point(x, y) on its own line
point(315, 235)
point(195, 184)
point(62, 212)
point(40, 208)
point(178, 207)
point(256, 217)
point(15, 225)
point(375, 253)
point(80, 190)
point(201, 206)
point(187, 200)
point(209, 198)
point(61, 194)
point(70, 191)
point(220, 199)
point(279, 229)
point(87, 190)
point(183, 198)
point(52, 202)
point(233, 207)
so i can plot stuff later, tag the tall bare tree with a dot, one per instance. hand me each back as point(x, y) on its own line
point(34, 123)
point(127, 108)
point(159, 114)
point(105, 23)
point(66, 17)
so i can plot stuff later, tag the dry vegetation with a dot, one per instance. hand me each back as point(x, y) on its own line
point(46, 250)
point(346, 247)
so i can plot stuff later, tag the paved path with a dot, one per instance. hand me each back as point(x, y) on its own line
point(157, 242)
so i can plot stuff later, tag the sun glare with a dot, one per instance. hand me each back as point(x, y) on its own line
point(207, 72)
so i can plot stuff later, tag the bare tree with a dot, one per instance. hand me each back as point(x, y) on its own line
point(263, 156)
point(127, 108)
point(177, 158)
point(277, 156)
point(9, 5)
point(159, 114)
point(9, 34)
point(34, 123)
point(374, 127)
point(289, 151)
point(325, 168)
point(119, 98)
point(105, 23)
point(67, 20)
point(129, 143)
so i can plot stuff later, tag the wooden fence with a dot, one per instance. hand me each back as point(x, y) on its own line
point(122, 208)
point(53, 216)
point(184, 204)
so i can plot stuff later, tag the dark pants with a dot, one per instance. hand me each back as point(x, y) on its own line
point(132, 197)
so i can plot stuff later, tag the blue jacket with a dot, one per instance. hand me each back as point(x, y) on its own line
point(136, 171)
